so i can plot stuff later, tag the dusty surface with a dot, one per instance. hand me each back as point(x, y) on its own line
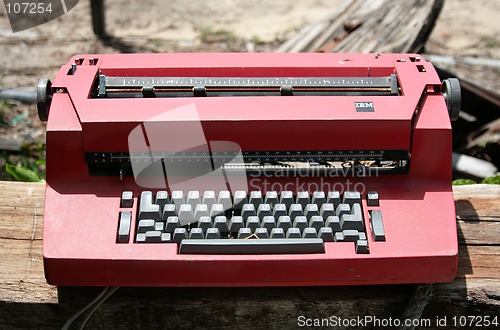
point(465, 28)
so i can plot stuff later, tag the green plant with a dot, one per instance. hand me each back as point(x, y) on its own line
point(462, 182)
point(209, 34)
point(495, 179)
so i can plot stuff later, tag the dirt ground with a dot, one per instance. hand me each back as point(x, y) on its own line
point(464, 28)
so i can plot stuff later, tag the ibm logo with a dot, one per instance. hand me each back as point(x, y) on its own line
point(364, 106)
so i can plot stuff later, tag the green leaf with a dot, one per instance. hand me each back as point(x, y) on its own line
point(462, 182)
point(20, 173)
point(495, 179)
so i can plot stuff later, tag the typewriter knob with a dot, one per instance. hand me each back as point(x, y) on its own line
point(44, 98)
point(452, 95)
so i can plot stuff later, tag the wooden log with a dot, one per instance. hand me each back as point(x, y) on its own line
point(26, 301)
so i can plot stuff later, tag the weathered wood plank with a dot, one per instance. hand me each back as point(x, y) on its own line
point(26, 301)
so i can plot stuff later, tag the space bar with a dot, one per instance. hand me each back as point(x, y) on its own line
point(252, 246)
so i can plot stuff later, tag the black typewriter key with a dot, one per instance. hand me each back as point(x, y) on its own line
point(271, 198)
point(268, 222)
point(196, 233)
point(316, 222)
point(253, 223)
point(284, 222)
point(286, 197)
point(153, 236)
point(302, 198)
point(225, 199)
point(333, 222)
point(333, 197)
point(293, 233)
point(185, 214)
point(204, 223)
point(168, 211)
point(311, 210)
point(264, 210)
point(362, 246)
point(179, 234)
point(216, 210)
point(240, 199)
point(362, 235)
point(124, 227)
point(171, 224)
point(244, 233)
point(349, 222)
point(145, 225)
point(221, 223)
point(279, 210)
point(377, 225)
point(177, 198)
point(277, 233)
point(235, 224)
point(212, 233)
point(326, 234)
point(327, 209)
point(343, 209)
point(351, 197)
point(295, 211)
point(261, 233)
point(350, 235)
point(255, 198)
point(193, 198)
point(127, 199)
point(248, 210)
point(318, 198)
point(209, 198)
point(161, 198)
point(309, 233)
point(148, 210)
point(372, 198)
point(338, 237)
point(201, 210)
point(300, 223)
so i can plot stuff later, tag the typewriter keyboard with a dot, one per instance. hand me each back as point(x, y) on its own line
point(253, 223)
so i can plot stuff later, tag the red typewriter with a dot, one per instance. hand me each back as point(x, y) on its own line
point(248, 170)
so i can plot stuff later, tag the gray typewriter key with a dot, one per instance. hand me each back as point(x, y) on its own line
point(333, 197)
point(253, 223)
point(209, 198)
point(295, 211)
point(217, 210)
point(193, 198)
point(286, 197)
point(148, 210)
point(186, 214)
point(240, 199)
point(309, 233)
point(356, 211)
point(205, 223)
point(177, 198)
point(255, 198)
point(271, 198)
point(153, 236)
point(343, 209)
point(261, 233)
point(293, 233)
point(248, 210)
point(326, 210)
point(225, 199)
point(279, 210)
point(124, 227)
point(179, 235)
point(372, 198)
point(171, 224)
point(263, 210)
point(302, 198)
point(300, 223)
point(311, 210)
point(362, 246)
point(127, 199)
point(277, 233)
point(334, 223)
point(166, 237)
point(362, 235)
point(161, 198)
point(145, 225)
point(140, 238)
point(196, 233)
point(349, 222)
point(316, 222)
point(318, 198)
point(168, 211)
point(212, 233)
point(284, 222)
point(220, 223)
point(235, 224)
point(350, 235)
point(377, 225)
point(338, 237)
point(326, 234)
point(201, 210)
point(351, 197)
point(269, 223)
point(244, 233)
point(159, 226)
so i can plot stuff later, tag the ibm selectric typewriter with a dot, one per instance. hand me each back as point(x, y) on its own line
point(248, 170)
